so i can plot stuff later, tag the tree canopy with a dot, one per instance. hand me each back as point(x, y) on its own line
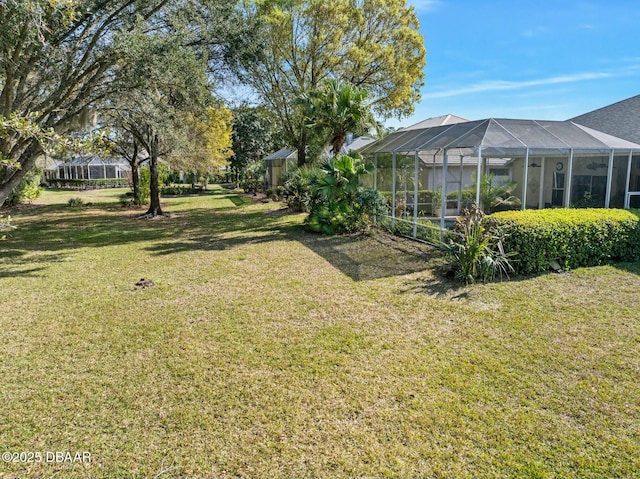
point(254, 136)
point(60, 58)
point(373, 44)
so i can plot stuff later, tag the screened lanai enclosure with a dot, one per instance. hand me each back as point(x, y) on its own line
point(430, 175)
point(92, 167)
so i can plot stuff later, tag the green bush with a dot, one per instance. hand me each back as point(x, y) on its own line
point(89, 184)
point(296, 187)
point(73, 202)
point(254, 177)
point(180, 190)
point(28, 189)
point(341, 205)
point(575, 238)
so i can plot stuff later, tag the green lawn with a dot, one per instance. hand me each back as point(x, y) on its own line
point(266, 351)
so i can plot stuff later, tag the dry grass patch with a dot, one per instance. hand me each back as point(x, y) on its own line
point(265, 351)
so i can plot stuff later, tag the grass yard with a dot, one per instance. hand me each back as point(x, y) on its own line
point(266, 351)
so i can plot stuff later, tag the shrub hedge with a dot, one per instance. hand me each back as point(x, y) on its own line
point(89, 184)
point(180, 190)
point(573, 237)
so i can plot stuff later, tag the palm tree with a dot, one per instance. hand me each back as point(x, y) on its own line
point(339, 108)
point(493, 196)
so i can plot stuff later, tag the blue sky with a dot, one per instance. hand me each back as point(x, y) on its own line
point(543, 59)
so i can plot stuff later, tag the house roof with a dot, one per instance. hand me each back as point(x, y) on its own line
point(436, 121)
point(94, 160)
point(357, 143)
point(48, 164)
point(499, 138)
point(283, 154)
point(621, 119)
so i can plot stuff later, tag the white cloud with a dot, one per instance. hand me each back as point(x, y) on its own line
point(536, 31)
point(501, 85)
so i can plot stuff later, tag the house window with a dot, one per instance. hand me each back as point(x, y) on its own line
point(501, 176)
point(557, 192)
point(593, 188)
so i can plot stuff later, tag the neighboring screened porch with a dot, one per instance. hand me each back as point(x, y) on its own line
point(93, 167)
point(429, 175)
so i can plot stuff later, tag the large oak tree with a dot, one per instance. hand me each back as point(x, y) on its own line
point(59, 59)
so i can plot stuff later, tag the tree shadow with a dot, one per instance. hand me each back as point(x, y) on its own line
point(29, 272)
point(11, 261)
point(360, 257)
point(218, 228)
point(629, 267)
point(367, 257)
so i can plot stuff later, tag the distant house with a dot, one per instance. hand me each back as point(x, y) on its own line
point(279, 163)
point(283, 160)
point(84, 171)
point(93, 167)
point(436, 121)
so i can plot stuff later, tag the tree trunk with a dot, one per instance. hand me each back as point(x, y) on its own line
point(135, 175)
point(11, 182)
point(154, 206)
point(338, 143)
point(302, 149)
point(135, 183)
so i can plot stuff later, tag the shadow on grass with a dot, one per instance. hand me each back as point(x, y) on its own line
point(58, 228)
point(11, 259)
point(21, 272)
point(438, 286)
point(368, 257)
point(628, 267)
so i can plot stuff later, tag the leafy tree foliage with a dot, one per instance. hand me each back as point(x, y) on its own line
point(209, 139)
point(371, 44)
point(254, 136)
point(55, 59)
point(60, 58)
point(338, 108)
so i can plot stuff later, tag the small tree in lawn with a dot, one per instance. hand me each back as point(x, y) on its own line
point(125, 144)
point(166, 82)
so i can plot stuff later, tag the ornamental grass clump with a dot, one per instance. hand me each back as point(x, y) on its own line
point(475, 248)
